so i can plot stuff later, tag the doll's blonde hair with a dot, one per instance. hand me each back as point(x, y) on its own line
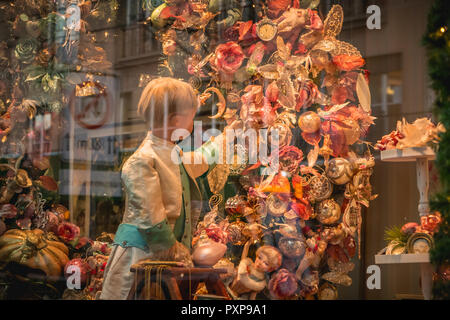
point(273, 256)
point(164, 96)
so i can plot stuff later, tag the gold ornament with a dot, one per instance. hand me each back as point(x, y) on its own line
point(320, 188)
point(329, 212)
point(309, 122)
point(266, 30)
point(276, 206)
point(339, 171)
point(236, 232)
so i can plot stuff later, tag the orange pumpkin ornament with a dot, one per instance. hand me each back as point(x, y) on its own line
point(34, 249)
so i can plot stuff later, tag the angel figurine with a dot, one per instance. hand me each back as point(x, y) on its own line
point(251, 276)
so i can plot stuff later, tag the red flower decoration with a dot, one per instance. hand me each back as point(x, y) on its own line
point(302, 208)
point(431, 222)
point(410, 227)
point(229, 57)
point(283, 284)
point(347, 63)
point(307, 95)
point(290, 158)
point(68, 231)
point(340, 95)
point(217, 234)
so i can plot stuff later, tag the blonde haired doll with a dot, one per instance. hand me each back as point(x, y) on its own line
point(162, 197)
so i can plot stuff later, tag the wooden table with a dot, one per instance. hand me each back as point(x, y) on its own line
point(179, 283)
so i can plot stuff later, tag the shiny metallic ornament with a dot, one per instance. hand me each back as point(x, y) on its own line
point(266, 30)
point(208, 252)
point(276, 206)
point(309, 122)
point(236, 233)
point(328, 212)
point(292, 247)
point(339, 171)
point(235, 205)
point(320, 188)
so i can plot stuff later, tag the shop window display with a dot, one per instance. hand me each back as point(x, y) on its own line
point(232, 140)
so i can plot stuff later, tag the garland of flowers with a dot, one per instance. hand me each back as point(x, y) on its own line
point(437, 42)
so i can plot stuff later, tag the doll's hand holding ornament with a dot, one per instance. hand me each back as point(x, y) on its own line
point(178, 252)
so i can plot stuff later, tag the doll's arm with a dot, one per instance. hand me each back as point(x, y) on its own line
point(213, 151)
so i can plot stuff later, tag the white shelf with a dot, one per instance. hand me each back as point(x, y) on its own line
point(408, 154)
point(402, 258)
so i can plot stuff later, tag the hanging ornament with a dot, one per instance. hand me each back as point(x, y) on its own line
point(320, 188)
point(240, 160)
point(292, 247)
point(328, 212)
point(235, 232)
point(266, 30)
point(309, 122)
point(339, 171)
point(235, 205)
point(276, 206)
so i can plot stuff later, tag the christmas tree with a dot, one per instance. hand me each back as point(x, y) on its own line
point(278, 68)
point(437, 42)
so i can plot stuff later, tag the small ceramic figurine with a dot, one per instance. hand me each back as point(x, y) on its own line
point(251, 276)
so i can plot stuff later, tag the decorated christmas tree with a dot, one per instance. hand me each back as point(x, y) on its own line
point(291, 220)
point(437, 43)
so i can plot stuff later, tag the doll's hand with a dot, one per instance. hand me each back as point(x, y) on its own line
point(180, 252)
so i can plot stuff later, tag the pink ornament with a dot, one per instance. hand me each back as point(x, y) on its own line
point(208, 252)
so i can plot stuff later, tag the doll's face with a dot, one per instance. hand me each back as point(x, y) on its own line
point(183, 120)
point(262, 263)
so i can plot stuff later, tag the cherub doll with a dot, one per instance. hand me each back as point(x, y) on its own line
point(163, 199)
point(251, 276)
